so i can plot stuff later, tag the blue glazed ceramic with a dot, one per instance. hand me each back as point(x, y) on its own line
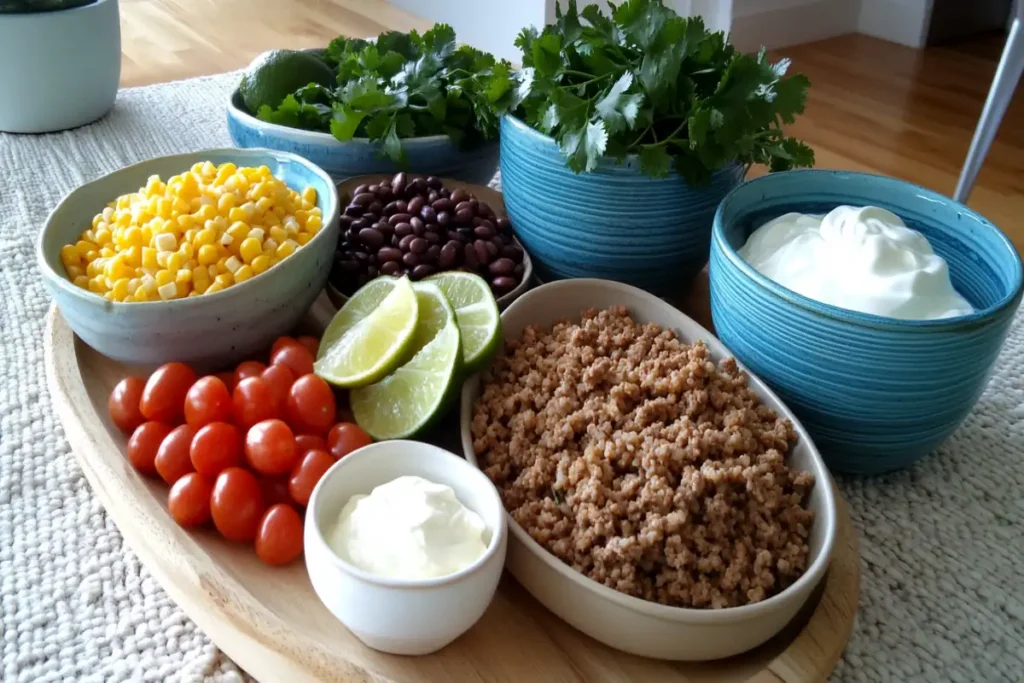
point(211, 330)
point(875, 393)
point(613, 223)
point(434, 155)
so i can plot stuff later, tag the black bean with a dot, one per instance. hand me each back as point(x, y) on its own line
point(483, 253)
point(354, 210)
point(395, 239)
point(360, 224)
point(403, 229)
point(519, 270)
point(464, 217)
point(363, 199)
point(416, 221)
point(389, 254)
point(504, 284)
point(372, 271)
point(418, 245)
point(385, 228)
point(421, 271)
point(385, 183)
point(483, 208)
point(459, 195)
point(474, 204)
point(390, 268)
point(415, 204)
point(444, 193)
point(428, 214)
point(484, 231)
point(463, 206)
point(349, 265)
point(411, 260)
point(345, 221)
point(375, 208)
point(512, 252)
point(505, 238)
point(432, 196)
point(404, 243)
point(449, 255)
point(432, 254)
point(442, 205)
point(396, 218)
point(371, 238)
point(492, 249)
point(503, 224)
point(418, 231)
point(361, 189)
point(418, 187)
point(432, 237)
point(444, 218)
point(469, 252)
point(385, 194)
point(398, 182)
point(361, 256)
point(391, 208)
point(433, 182)
point(502, 266)
point(477, 220)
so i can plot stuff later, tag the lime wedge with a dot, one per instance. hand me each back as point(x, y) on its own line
point(408, 400)
point(370, 335)
point(477, 314)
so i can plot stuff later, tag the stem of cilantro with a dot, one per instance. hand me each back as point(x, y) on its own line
point(670, 138)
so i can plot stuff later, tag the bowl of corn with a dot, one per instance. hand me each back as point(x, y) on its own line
point(203, 257)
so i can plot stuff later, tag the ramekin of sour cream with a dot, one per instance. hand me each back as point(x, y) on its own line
point(405, 544)
point(859, 258)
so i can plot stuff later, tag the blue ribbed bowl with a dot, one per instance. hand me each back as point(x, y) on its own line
point(433, 155)
point(614, 223)
point(875, 393)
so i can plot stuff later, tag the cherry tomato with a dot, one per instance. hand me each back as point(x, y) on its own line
point(281, 342)
point(309, 442)
point(173, 460)
point(279, 380)
point(123, 404)
point(279, 538)
point(270, 448)
point(310, 408)
point(189, 500)
point(163, 398)
point(306, 475)
point(346, 437)
point(275, 490)
point(237, 504)
point(248, 368)
point(229, 379)
point(216, 447)
point(252, 402)
point(208, 400)
point(144, 444)
point(296, 356)
point(312, 344)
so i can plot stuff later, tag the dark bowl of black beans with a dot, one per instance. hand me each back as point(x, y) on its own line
point(421, 225)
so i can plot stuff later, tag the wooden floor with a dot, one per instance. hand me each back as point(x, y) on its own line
point(874, 106)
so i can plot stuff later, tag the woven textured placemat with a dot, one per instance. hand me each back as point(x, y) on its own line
point(942, 544)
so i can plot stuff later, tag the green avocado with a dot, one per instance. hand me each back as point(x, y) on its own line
point(278, 73)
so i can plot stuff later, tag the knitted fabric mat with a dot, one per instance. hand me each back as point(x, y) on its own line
point(942, 544)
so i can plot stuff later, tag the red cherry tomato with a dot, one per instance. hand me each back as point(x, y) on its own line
point(279, 538)
point(312, 344)
point(309, 442)
point(275, 490)
point(248, 368)
point(270, 448)
point(310, 408)
point(216, 447)
point(281, 342)
point(346, 437)
point(279, 380)
point(208, 400)
point(173, 460)
point(144, 444)
point(237, 504)
point(229, 380)
point(252, 402)
point(306, 475)
point(296, 356)
point(189, 500)
point(123, 404)
point(163, 398)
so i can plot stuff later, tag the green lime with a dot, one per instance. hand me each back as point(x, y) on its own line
point(408, 400)
point(371, 334)
point(477, 314)
point(274, 75)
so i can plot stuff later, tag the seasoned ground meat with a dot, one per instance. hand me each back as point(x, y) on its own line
point(637, 461)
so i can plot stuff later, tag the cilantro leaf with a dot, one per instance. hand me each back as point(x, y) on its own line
point(345, 121)
point(547, 57)
point(617, 108)
point(655, 161)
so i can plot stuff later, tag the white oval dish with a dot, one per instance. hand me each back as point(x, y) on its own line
point(394, 615)
point(621, 621)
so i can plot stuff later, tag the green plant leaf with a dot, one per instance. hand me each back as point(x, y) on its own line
point(655, 161)
point(345, 121)
point(547, 57)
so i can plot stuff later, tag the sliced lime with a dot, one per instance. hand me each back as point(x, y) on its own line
point(370, 335)
point(408, 400)
point(477, 314)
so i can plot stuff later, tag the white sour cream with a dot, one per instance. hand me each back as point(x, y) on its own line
point(409, 528)
point(858, 258)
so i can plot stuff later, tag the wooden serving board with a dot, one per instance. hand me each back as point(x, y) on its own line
point(270, 622)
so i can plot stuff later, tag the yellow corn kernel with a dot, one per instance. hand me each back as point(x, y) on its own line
point(168, 291)
point(213, 270)
point(106, 252)
point(69, 255)
point(286, 249)
point(92, 268)
point(200, 279)
point(164, 208)
point(183, 276)
point(206, 213)
point(205, 236)
point(133, 237)
point(207, 254)
point(304, 238)
point(313, 224)
point(133, 256)
point(264, 204)
point(149, 257)
point(92, 255)
point(97, 219)
point(263, 171)
point(161, 258)
point(82, 281)
point(133, 285)
point(175, 262)
point(232, 264)
point(103, 236)
point(243, 274)
point(309, 195)
point(260, 264)
point(186, 250)
point(224, 280)
point(207, 169)
point(179, 205)
point(163, 277)
point(120, 289)
point(227, 202)
point(186, 221)
point(250, 249)
point(270, 246)
point(165, 242)
point(140, 295)
point(96, 284)
point(238, 231)
point(123, 219)
point(213, 289)
point(250, 210)
point(278, 234)
point(83, 247)
point(237, 214)
point(74, 272)
point(281, 211)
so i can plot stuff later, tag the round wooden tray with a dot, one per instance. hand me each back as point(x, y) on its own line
point(269, 621)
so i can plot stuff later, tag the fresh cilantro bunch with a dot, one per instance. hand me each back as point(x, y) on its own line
point(404, 85)
point(651, 83)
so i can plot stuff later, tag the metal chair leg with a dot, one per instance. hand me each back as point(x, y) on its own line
point(1011, 66)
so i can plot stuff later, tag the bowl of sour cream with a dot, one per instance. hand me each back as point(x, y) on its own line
point(405, 543)
point(874, 308)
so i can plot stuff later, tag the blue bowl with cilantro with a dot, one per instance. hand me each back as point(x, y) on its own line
point(401, 102)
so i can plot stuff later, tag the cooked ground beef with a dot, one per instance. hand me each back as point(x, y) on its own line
point(637, 461)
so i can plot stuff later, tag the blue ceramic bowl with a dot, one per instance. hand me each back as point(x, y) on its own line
point(434, 155)
point(876, 393)
point(613, 223)
point(211, 330)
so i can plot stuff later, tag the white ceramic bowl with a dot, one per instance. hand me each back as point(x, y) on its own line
point(622, 621)
point(392, 615)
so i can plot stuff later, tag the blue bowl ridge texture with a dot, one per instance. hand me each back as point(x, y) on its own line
point(875, 393)
point(613, 223)
point(434, 155)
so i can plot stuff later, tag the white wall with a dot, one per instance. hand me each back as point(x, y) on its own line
point(778, 23)
point(900, 21)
